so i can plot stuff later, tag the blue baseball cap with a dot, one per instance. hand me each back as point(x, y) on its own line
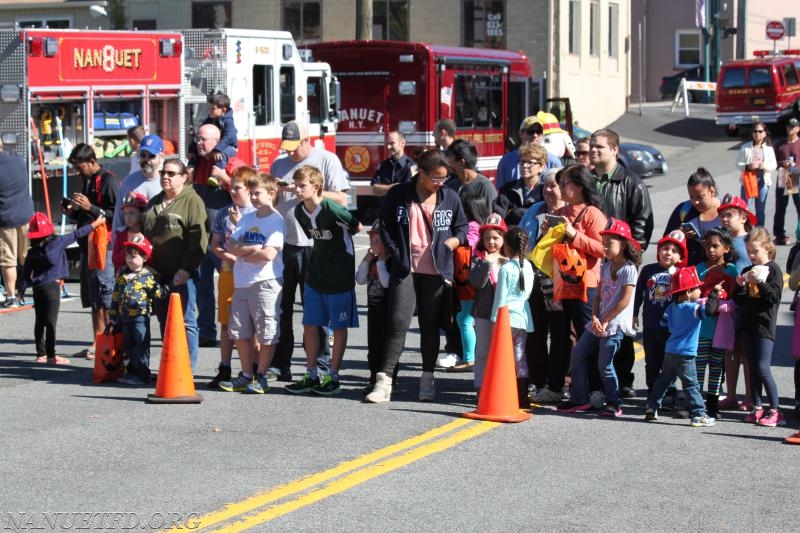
point(152, 144)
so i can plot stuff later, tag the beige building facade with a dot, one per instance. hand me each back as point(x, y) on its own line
point(578, 48)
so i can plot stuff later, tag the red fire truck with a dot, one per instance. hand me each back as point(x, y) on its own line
point(765, 89)
point(387, 85)
point(64, 87)
point(268, 83)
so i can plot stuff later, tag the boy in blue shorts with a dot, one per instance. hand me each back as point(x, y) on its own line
point(330, 298)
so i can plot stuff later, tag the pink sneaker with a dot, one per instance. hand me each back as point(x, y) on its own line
point(612, 412)
point(772, 419)
point(574, 407)
point(755, 415)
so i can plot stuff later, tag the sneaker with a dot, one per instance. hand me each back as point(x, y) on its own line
point(382, 390)
point(427, 387)
point(545, 396)
point(237, 384)
point(327, 387)
point(612, 411)
point(782, 241)
point(223, 374)
point(772, 419)
point(651, 415)
point(303, 386)
point(754, 416)
point(259, 385)
point(448, 360)
point(130, 379)
point(565, 393)
point(10, 303)
point(276, 373)
point(702, 421)
point(627, 392)
point(572, 407)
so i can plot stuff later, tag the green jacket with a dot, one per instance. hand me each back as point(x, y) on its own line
point(177, 232)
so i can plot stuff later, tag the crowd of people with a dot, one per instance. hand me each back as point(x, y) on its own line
point(559, 242)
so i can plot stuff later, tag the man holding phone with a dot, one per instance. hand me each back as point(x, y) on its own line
point(788, 156)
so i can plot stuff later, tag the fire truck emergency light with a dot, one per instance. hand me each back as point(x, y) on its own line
point(171, 47)
point(38, 46)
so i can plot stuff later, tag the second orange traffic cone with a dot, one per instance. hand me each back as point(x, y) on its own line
point(498, 400)
point(175, 383)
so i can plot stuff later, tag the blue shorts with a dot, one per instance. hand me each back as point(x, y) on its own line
point(336, 311)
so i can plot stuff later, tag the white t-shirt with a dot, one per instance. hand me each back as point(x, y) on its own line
point(267, 231)
point(334, 179)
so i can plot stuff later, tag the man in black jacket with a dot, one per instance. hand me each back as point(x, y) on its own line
point(627, 198)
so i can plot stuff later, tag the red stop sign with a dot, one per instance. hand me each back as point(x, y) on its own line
point(775, 30)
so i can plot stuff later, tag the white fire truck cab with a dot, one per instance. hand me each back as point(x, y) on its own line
point(268, 84)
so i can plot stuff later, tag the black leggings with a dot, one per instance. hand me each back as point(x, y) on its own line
point(426, 292)
point(46, 304)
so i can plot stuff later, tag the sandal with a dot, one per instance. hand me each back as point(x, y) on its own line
point(57, 360)
point(41, 359)
point(89, 354)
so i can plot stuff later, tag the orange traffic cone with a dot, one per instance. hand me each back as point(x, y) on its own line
point(793, 439)
point(498, 400)
point(175, 383)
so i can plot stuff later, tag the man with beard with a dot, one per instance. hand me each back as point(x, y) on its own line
point(145, 181)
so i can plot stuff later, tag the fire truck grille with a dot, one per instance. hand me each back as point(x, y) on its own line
point(205, 63)
point(12, 71)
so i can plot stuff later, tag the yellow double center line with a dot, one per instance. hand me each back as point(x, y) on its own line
point(296, 494)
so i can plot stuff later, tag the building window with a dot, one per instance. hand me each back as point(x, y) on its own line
point(56, 24)
point(390, 20)
point(574, 26)
point(211, 14)
point(613, 30)
point(144, 24)
point(484, 23)
point(594, 28)
point(688, 48)
point(303, 20)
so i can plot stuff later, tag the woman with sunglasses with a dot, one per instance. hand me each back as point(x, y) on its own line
point(175, 223)
point(582, 152)
point(759, 156)
point(516, 197)
point(422, 222)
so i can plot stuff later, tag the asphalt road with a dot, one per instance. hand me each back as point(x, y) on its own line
point(335, 464)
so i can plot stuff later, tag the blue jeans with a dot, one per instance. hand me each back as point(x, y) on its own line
point(759, 204)
point(586, 346)
point(685, 369)
point(206, 300)
point(188, 294)
point(577, 314)
point(136, 345)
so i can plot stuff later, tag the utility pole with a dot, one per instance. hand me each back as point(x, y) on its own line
point(364, 28)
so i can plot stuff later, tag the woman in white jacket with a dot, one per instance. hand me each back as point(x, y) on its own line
point(758, 155)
